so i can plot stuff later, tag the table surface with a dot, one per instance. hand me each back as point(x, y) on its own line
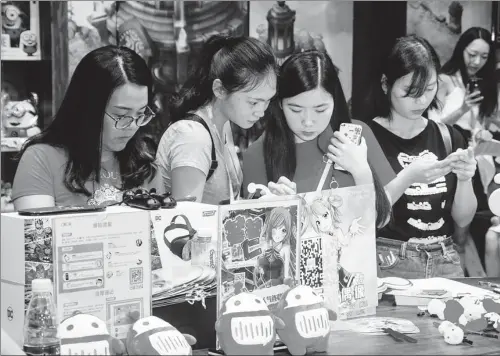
point(430, 342)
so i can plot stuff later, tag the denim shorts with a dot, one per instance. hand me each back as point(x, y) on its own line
point(415, 261)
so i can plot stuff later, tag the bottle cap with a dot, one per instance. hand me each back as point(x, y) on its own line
point(205, 233)
point(41, 285)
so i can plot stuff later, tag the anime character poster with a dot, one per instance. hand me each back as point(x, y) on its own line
point(260, 247)
point(338, 255)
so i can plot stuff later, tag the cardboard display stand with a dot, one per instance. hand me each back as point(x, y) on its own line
point(100, 264)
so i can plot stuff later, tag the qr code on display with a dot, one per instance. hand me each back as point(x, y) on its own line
point(311, 263)
point(136, 275)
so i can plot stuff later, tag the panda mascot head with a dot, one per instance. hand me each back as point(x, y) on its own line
point(154, 336)
point(246, 326)
point(307, 321)
point(85, 334)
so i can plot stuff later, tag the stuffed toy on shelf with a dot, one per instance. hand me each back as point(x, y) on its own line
point(307, 320)
point(154, 336)
point(246, 326)
point(86, 334)
point(20, 118)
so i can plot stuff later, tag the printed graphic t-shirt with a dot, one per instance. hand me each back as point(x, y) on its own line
point(424, 210)
point(41, 172)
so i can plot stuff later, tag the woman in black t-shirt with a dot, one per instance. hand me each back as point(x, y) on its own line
point(432, 189)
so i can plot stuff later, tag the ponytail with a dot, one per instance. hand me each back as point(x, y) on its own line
point(238, 62)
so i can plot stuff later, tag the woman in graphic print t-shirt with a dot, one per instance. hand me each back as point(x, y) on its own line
point(97, 144)
point(431, 190)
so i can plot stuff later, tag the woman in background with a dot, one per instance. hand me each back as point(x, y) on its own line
point(234, 80)
point(432, 190)
point(465, 105)
point(305, 117)
point(98, 144)
point(471, 107)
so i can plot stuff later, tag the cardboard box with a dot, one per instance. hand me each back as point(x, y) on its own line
point(28, 248)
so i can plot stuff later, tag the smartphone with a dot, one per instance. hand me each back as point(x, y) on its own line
point(53, 210)
point(474, 85)
point(353, 133)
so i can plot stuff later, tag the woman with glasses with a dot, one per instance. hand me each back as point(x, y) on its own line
point(233, 81)
point(97, 145)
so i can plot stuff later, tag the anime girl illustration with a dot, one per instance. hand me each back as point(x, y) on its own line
point(325, 218)
point(273, 266)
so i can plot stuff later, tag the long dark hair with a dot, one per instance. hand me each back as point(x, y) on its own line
point(300, 73)
point(410, 54)
point(487, 73)
point(239, 62)
point(78, 124)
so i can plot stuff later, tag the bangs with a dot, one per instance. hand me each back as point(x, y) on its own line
point(419, 81)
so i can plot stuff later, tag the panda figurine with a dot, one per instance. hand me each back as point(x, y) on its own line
point(154, 336)
point(85, 334)
point(307, 321)
point(246, 326)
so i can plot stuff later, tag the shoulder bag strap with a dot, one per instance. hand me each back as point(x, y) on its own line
point(214, 163)
point(445, 134)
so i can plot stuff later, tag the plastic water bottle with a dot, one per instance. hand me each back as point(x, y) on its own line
point(200, 253)
point(40, 323)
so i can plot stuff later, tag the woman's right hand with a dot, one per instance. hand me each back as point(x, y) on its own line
point(424, 170)
point(283, 186)
point(471, 99)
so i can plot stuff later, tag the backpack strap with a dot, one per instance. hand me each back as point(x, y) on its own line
point(445, 134)
point(214, 163)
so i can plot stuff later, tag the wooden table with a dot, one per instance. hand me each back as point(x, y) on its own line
point(430, 342)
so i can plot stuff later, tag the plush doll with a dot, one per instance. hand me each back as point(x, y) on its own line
point(85, 334)
point(28, 42)
point(307, 321)
point(492, 237)
point(154, 336)
point(20, 118)
point(246, 326)
point(13, 23)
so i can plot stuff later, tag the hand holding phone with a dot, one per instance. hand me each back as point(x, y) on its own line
point(353, 133)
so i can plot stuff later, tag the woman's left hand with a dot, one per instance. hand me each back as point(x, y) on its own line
point(463, 163)
point(348, 155)
point(484, 135)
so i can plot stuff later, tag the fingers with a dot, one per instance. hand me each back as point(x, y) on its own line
point(474, 101)
point(336, 143)
point(335, 150)
point(280, 189)
point(332, 158)
point(474, 95)
point(291, 186)
point(363, 142)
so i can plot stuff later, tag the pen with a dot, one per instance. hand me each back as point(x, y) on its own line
point(489, 284)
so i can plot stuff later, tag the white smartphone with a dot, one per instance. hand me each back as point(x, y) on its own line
point(353, 133)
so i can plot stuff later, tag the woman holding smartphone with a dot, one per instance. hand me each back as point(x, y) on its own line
point(303, 131)
point(234, 80)
point(432, 189)
point(469, 96)
point(467, 84)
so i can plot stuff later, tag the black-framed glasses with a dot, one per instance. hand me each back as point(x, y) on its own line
point(124, 121)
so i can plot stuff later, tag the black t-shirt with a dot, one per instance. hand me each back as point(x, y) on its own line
point(424, 210)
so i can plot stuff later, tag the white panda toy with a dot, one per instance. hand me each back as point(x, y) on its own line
point(299, 308)
point(154, 336)
point(246, 326)
point(85, 334)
